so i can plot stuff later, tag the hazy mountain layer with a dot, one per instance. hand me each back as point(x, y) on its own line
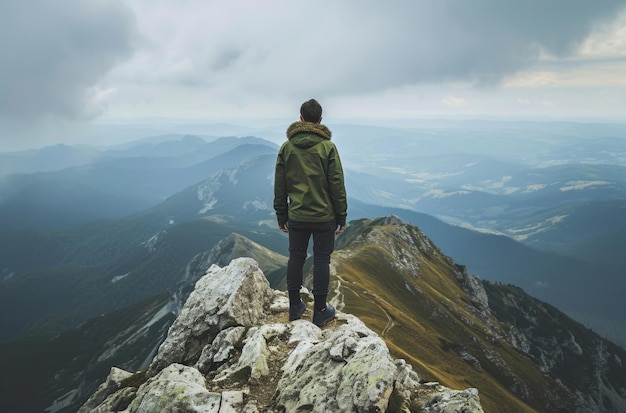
point(118, 183)
point(66, 367)
point(95, 269)
point(562, 199)
point(521, 354)
point(582, 286)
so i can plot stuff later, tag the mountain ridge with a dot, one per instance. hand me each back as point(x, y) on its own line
point(224, 350)
point(429, 311)
point(244, 207)
point(392, 266)
point(115, 185)
point(67, 366)
point(450, 326)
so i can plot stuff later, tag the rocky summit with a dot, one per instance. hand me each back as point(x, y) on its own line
point(231, 349)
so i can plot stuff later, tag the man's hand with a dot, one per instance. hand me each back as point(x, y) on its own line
point(283, 227)
point(340, 229)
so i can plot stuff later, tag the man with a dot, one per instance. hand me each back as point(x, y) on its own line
point(310, 200)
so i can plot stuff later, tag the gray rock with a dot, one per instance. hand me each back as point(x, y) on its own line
point(454, 401)
point(221, 349)
point(116, 402)
point(111, 385)
point(406, 384)
point(236, 295)
point(229, 351)
point(232, 402)
point(349, 369)
point(177, 388)
point(255, 355)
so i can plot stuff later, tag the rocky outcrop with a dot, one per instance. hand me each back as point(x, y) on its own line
point(223, 298)
point(231, 349)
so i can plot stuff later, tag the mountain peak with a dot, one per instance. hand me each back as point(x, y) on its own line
point(233, 335)
point(463, 331)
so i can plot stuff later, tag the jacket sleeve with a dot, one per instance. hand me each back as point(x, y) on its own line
point(280, 190)
point(336, 187)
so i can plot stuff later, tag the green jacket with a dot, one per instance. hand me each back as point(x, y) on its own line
point(308, 183)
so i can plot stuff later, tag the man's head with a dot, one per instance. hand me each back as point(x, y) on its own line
point(311, 111)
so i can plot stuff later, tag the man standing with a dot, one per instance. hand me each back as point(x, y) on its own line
point(310, 200)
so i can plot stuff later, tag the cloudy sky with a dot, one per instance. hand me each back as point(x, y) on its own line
point(68, 64)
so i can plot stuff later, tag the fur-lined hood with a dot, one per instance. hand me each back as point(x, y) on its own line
point(308, 133)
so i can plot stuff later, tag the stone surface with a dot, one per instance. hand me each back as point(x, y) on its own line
point(349, 369)
point(225, 344)
point(177, 388)
point(255, 355)
point(465, 401)
point(232, 350)
point(236, 295)
point(116, 402)
point(110, 386)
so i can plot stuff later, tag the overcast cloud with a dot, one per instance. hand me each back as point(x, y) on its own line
point(54, 52)
point(67, 62)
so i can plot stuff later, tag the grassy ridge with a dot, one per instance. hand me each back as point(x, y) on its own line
point(426, 318)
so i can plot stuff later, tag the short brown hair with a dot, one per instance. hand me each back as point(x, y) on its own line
point(311, 111)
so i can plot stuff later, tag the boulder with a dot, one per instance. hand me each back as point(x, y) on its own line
point(232, 350)
point(236, 295)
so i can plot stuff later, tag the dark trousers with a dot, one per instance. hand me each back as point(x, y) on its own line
point(323, 245)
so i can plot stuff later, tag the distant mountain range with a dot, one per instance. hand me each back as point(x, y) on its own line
point(97, 242)
point(520, 179)
point(578, 268)
point(118, 182)
point(522, 354)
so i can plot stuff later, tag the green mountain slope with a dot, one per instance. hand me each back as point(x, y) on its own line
point(41, 367)
point(88, 273)
point(48, 367)
point(586, 289)
point(522, 355)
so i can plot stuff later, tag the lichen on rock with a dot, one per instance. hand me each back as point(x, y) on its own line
point(229, 350)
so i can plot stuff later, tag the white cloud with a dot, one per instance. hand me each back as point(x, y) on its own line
point(73, 60)
point(607, 40)
point(100, 97)
point(579, 185)
point(535, 187)
point(55, 52)
point(440, 193)
point(226, 49)
point(531, 79)
point(453, 101)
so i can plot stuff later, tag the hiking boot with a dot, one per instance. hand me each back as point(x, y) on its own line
point(295, 312)
point(321, 318)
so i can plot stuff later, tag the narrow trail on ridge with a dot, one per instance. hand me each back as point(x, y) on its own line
point(364, 295)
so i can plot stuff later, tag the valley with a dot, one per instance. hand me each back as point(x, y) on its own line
point(88, 233)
